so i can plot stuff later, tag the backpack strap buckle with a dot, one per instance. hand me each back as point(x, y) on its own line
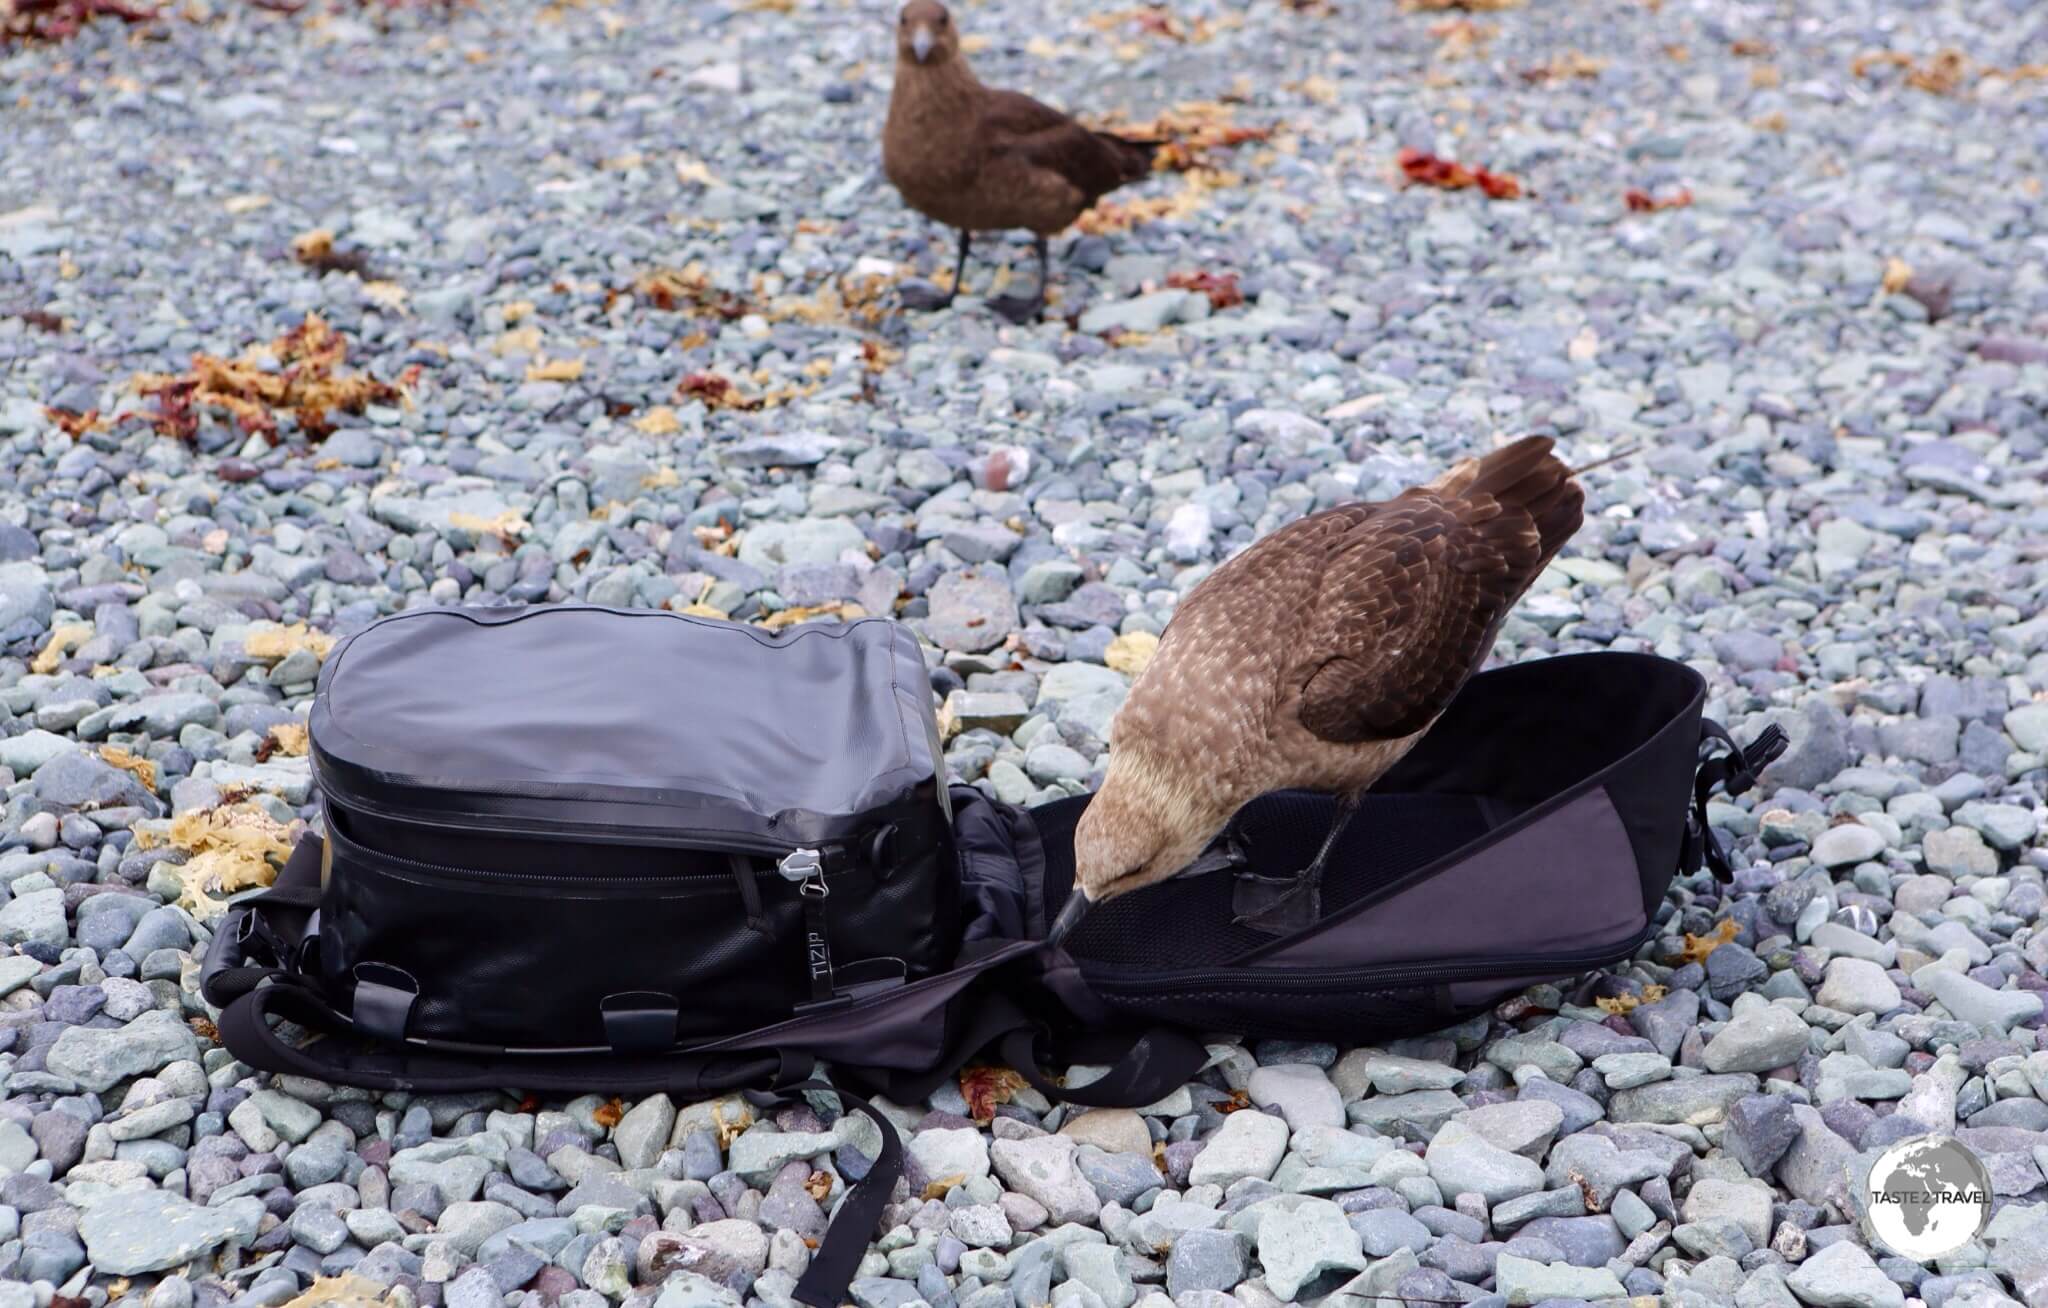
point(1733, 773)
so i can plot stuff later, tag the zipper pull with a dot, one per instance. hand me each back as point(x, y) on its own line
point(804, 869)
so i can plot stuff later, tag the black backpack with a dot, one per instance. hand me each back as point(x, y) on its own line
point(733, 855)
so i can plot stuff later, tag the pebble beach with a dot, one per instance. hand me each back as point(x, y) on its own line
point(309, 318)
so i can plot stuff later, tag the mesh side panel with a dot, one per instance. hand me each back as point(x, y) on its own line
point(1186, 922)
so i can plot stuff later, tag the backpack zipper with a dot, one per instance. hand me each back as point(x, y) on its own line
point(592, 834)
point(817, 853)
point(802, 866)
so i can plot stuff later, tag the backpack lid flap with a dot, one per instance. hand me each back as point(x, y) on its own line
point(633, 720)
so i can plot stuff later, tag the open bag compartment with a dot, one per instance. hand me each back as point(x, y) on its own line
point(1531, 834)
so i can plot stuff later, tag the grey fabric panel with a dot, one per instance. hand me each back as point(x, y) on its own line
point(583, 704)
point(1566, 881)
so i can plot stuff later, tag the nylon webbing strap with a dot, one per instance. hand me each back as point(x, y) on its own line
point(1733, 773)
point(1143, 1068)
point(838, 1255)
